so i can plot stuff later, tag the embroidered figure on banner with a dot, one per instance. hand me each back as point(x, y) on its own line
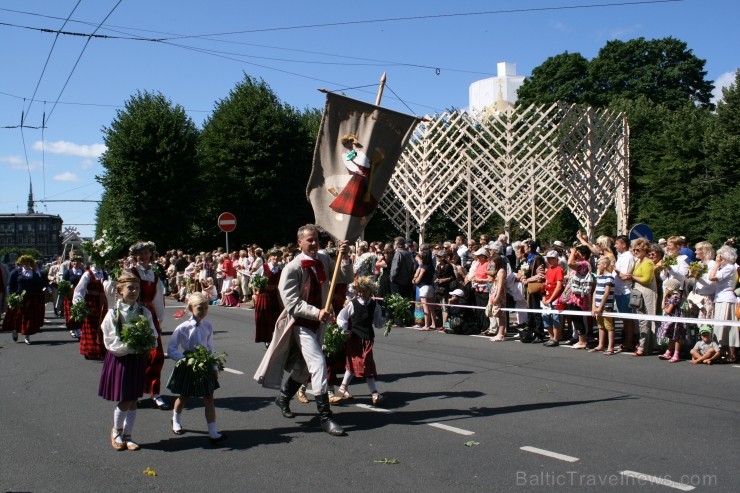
point(356, 198)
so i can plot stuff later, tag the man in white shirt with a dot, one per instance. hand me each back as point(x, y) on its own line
point(622, 287)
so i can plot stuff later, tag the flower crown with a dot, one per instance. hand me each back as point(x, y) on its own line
point(25, 259)
point(140, 246)
point(365, 282)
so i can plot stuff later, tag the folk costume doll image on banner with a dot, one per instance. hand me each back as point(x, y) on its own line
point(357, 149)
point(356, 199)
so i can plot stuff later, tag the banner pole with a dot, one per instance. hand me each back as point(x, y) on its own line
point(380, 89)
point(337, 265)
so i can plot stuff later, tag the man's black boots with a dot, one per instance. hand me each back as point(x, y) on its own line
point(327, 424)
point(290, 387)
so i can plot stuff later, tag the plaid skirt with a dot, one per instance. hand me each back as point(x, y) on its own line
point(360, 359)
point(182, 382)
point(122, 377)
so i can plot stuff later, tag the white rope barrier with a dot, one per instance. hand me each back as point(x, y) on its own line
point(626, 316)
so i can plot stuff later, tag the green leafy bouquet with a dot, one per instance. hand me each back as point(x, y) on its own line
point(138, 336)
point(202, 362)
point(15, 300)
point(65, 288)
point(397, 307)
point(669, 261)
point(697, 269)
point(334, 340)
point(78, 312)
point(259, 282)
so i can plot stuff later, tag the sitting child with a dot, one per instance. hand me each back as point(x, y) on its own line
point(230, 296)
point(705, 350)
point(452, 316)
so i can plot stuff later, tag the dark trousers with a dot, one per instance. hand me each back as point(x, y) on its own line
point(481, 299)
point(534, 320)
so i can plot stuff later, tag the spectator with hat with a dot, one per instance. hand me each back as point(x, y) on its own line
point(452, 315)
point(479, 284)
point(553, 288)
point(705, 350)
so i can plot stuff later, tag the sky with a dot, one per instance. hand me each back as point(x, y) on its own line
point(195, 52)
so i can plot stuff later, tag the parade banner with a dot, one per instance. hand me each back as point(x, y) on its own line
point(356, 152)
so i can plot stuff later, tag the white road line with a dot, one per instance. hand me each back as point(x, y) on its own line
point(736, 366)
point(459, 431)
point(373, 408)
point(657, 480)
point(554, 455)
point(235, 372)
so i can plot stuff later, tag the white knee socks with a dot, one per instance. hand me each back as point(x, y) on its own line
point(128, 424)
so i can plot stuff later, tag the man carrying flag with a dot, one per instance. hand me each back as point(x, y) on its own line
point(344, 189)
point(299, 331)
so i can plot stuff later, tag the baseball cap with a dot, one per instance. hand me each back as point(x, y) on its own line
point(705, 329)
point(457, 292)
point(552, 254)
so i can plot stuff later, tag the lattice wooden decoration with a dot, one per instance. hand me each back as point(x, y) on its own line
point(524, 164)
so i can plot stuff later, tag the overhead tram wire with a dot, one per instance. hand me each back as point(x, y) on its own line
point(173, 36)
point(80, 57)
point(434, 16)
point(210, 52)
point(48, 57)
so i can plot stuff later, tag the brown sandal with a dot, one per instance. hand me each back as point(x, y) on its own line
point(114, 433)
point(343, 392)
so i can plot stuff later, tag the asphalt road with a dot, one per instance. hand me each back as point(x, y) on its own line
point(462, 414)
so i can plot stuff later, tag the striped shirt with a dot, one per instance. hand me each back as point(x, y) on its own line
point(602, 282)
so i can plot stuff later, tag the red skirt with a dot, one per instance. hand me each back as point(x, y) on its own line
point(71, 324)
point(12, 320)
point(267, 308)
point(360, 359)
point(91, 338)
point(351, 200)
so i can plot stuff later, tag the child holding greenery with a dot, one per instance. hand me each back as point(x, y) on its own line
point(129, 335)
point(190, 378)
point(357, 320)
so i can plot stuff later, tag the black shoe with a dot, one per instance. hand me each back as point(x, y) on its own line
point(290, 387)
point(15, 336)
point(161, 407)
point(215, 441)
point(327, 423)
point(283, 402)
point(551, 343)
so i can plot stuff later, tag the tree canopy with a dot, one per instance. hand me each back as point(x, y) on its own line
point(149, 167)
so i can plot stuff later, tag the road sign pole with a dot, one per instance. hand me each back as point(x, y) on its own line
point(227, 242)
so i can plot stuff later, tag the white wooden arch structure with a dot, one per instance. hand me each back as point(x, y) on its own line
point(524, 164)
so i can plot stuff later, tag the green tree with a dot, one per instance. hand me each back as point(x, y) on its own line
point(663, 70)
point(563, 77)
point(723, 149)
point(149, 169)
point(255, 156)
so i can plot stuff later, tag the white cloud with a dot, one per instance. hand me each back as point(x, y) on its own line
point(17, 162)
point(724, 80)
point(70, 148)
point(87, 164)
point(66, 176)
point(619, 32)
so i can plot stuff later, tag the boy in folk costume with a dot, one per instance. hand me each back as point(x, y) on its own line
point(299, 332)
point(357, 321)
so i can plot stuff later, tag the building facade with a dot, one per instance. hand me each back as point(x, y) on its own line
point(39, 231)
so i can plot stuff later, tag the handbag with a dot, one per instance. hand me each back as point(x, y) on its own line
point(535, 287)
point(636, 300)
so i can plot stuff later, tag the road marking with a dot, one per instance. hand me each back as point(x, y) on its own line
point(235, 372)
point(736, 366)
point(373, 408)
point(554, 455)
point(459, 431)
point(655, 479)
